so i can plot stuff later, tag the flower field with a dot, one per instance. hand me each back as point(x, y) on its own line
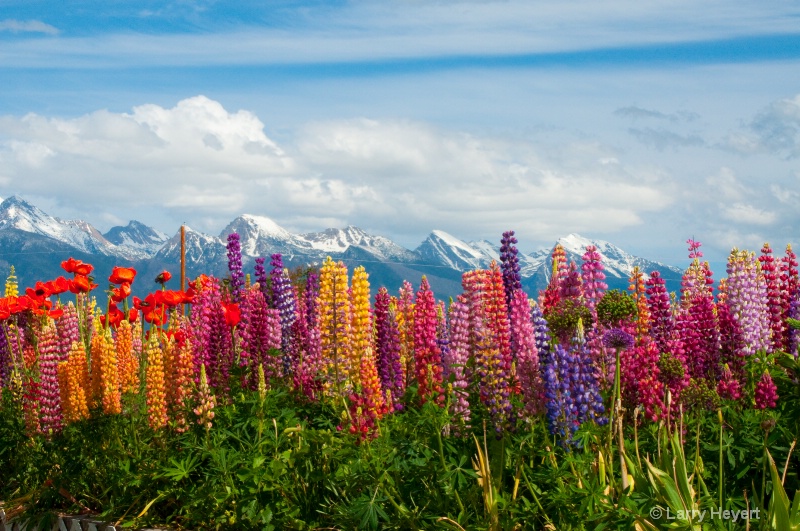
point(310, 400)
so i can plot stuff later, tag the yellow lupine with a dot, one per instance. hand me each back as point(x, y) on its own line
point(364, 369)
point(104, 371)
point(156, 393)
point(12, 287)
point(73, 380)
point(334, 319)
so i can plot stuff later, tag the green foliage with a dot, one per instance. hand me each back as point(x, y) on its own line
point(615, 307)
point(564, 317)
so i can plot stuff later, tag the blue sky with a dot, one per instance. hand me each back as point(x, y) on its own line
point(643, 124)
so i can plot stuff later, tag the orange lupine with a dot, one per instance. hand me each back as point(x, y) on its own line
point(179, 370)
point(127, 362)
point(156, 394)
point(73, 380)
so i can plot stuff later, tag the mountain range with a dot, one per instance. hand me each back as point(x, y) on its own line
point(36, 243)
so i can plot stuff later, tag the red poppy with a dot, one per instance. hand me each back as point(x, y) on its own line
point(120, 293)
point(120, 275)
point(133, 315)
point(81, 284)
point(55, 314)
point(179, 336)
point(163, 277)
point(20, 304)
point(232, 313)
point(5, 308)
point(59, 285)
point(171, 298)
point(114, 316)
point(39, 291)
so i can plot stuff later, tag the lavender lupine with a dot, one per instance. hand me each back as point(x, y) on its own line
point(523, 344)
point(235, 265)
point(746, 296)
point(51, 416)
point(284, 301)
point(457, 360)
point(387, 345)
point(509, 263)
point(542, 334)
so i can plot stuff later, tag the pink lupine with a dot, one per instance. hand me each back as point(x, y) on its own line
point(774, 306)
point(427, 355)
point(49, 393)
point(457, 361)
point(523, 344)
point(592, 277)
point(788, 283)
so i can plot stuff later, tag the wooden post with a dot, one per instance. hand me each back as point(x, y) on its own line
point(183, 263)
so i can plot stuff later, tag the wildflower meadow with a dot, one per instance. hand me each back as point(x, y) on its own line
point(311, 399)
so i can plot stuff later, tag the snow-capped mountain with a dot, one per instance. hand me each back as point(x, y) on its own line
point(445, 249)
point(140, 240)
point(30, 237)
point(16, 213)
point(340, 240)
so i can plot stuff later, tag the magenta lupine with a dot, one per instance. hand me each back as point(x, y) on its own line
point(212, 343)
point(728, 386)
point(571, 287)
point(592, 277)
point(387, 346)
point(794, 334)
point(788, 284)
point(509, 263)
point(639, 373)
point(283, 300)
point(68, 330)
point(258, 335)
point(746, 296)
point(51, 416)
point(523, 344)
point(457, 362)
point(5, 355)
point(308, 338)
point(698, 330)
point(662, 321)
point(235, 265)
point(774, 308)
point(766, 392)
point(427, 355)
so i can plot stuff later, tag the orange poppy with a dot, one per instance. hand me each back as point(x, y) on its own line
point(81, 284)
point(120, 275)
point(120, 293)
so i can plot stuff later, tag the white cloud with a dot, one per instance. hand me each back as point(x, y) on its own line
point(748, 214)
point(202, 164)
point(27, 26)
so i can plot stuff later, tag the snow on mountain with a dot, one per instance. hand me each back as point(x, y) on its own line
point(445, 249)
point(339, 240)
point(261, 236)
point(200, 248)
point(19, 214)
point(136, 239)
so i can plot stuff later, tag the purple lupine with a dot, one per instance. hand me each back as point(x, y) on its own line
point(457, 360)
point(746, 295)
point(235, 266)
point(283, 300)
point(509, 263)
point(559, 402)
point(523, 344)
point(592, 276)
point(312, 345)
point(261, 273)
point(542, 335)
point(387, 347)
point(51, 415)
point(5, 355)
point(766, 392)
